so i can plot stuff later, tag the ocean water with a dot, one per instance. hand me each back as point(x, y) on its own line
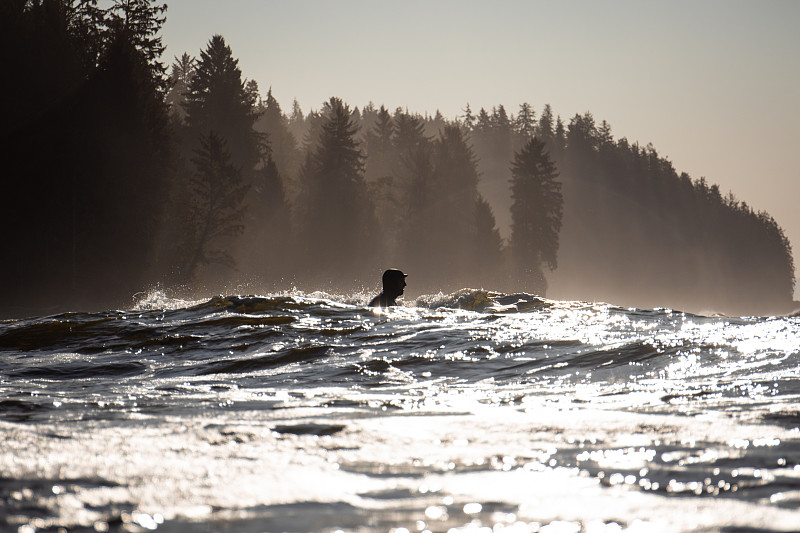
point(464, 412)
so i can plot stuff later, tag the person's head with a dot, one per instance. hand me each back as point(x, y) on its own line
point(394, 281)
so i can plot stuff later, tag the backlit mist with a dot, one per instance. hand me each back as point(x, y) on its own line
point(312, 146)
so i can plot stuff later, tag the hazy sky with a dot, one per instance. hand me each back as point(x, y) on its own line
point(714, 85)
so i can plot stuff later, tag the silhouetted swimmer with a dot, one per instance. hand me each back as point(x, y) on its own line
point(394, 281)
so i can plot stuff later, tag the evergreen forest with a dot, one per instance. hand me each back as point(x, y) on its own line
point(123, 174)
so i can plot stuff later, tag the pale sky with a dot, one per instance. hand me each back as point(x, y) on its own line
point(713, 84)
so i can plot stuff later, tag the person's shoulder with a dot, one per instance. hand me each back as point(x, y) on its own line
point(375, 302)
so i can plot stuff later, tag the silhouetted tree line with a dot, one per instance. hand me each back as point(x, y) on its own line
point(122, 176)
point(86, 149)
point(634, 230)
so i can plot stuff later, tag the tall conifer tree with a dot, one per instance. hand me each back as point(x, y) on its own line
point(282, 143)
point(218, 101)
point(335, 217)
point(141, 20)
point(546, 123)
point(381, 160)
point(535, 213)
point(181, 74)
point(526, 121)
point(469, 118)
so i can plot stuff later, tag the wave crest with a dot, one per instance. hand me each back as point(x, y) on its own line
point(481, 300)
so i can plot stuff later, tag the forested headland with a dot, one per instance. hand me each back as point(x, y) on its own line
point(122, 174)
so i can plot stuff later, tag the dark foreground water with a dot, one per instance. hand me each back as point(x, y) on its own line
point(471, 412)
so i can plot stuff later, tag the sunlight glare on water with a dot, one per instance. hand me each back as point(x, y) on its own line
point(307, 413)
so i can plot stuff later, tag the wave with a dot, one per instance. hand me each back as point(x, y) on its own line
point(470, 334)
point(246, 366)
point(480, 300)
point(80, 370)
point(523, 381)
point(483, 301)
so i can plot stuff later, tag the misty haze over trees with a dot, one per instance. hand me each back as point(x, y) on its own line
point(121, 177)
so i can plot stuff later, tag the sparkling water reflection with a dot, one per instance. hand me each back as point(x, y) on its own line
point(472, 411)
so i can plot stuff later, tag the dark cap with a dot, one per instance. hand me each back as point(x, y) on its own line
point(392, 274)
